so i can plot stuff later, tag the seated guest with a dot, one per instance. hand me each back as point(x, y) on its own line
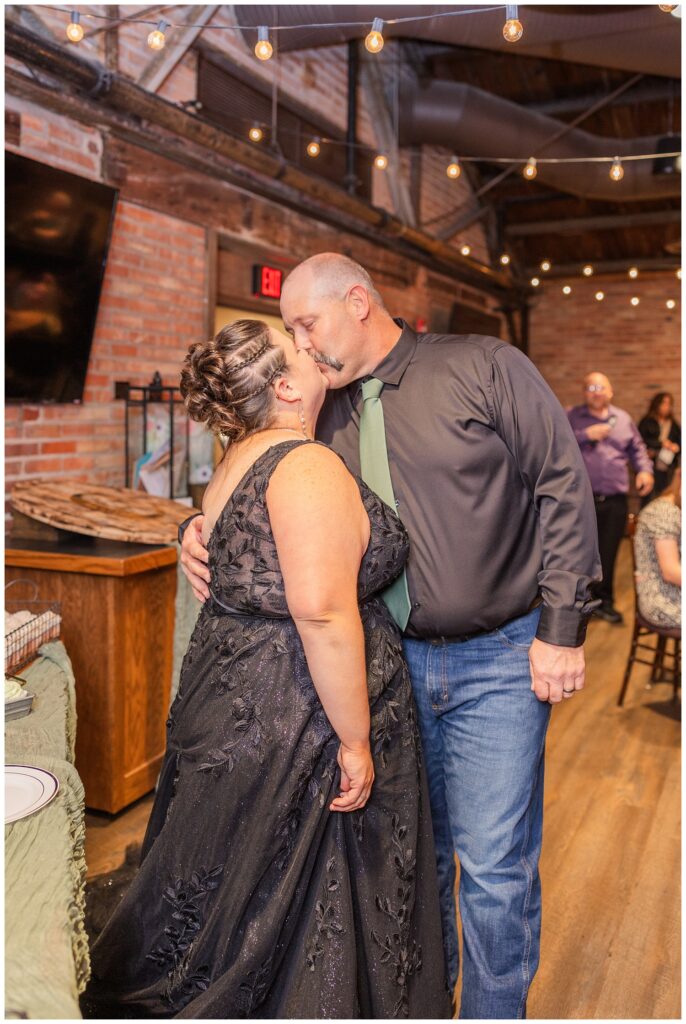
point(658, 557)
point(662, 436)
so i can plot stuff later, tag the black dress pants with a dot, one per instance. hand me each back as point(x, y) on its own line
point(611, 512)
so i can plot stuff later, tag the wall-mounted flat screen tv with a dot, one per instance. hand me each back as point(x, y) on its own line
point(57, 233)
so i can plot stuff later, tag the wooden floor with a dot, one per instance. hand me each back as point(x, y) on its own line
point(611, 850)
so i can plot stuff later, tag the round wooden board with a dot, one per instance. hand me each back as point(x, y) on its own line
point(114, 513)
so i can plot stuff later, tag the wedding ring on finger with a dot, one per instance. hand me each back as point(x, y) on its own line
point(568, 693)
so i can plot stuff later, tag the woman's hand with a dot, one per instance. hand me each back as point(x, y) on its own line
point(357, 776)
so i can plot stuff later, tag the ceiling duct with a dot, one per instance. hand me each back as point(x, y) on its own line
point(638, 38)
point(475, 123)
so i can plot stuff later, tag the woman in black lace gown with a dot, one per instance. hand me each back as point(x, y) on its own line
point(288, 866)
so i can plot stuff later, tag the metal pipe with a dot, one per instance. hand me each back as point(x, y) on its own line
point(350, 152)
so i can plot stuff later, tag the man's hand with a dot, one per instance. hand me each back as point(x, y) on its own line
point(598, 432)
point(194, 558)
point(644, 483)
point(556, 672)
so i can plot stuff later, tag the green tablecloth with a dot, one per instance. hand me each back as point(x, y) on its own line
point(46, 948)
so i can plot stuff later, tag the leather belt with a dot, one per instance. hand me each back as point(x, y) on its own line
point(464, 637)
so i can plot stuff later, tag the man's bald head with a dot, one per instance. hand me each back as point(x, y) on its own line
point(330, 275)
point(597, 378)
point(597, 391)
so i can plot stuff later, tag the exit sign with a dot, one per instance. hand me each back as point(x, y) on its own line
point(266, 282)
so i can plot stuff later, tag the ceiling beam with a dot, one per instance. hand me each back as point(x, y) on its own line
point(161, 65)
point(606, 266)
point(579, 225)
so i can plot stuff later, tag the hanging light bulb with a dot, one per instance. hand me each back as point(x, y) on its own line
point(530, 170)
point(545, 265)
point(616, 171)
point(504, 259)
point(588, 270)
point(600, 296)
point(453, 170)
point(374, 41)
point(670, 303)
point(667, 8)
point(566, 290)
point(466, 249)
point(635, 300)
point(633, 273)
point(74, 28)
point(535, 281)
point(156, 38)
point(256, 134)
point(263, 48)
point(381, 161)
point(314, 148)
point(512, 29)
point(678, 273)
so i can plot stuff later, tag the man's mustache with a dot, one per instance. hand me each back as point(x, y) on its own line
point(321, 357)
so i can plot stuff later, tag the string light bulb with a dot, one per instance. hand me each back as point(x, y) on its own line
point(453, 170)
point(545, 266)
point(535, 281)
point(633, 273)
point(256, 134)
point(512, 29)
point(616, 171)
point(670, 303)
point(314, 148)
point(381, 161)
point(530, 170)
point(74, 28)
point(635, 300)
point(156, 39)
point(588, 270)
point(678, 273)
point(600, 296)
point(263, 48)
point(566, 290)
point(504, 259)
point(466, 249)
point(667, 8)
point(374, 41)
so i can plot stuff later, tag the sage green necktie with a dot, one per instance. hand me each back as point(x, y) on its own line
point(376, 474)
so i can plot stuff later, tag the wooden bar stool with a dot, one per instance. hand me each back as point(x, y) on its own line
point(643, 629)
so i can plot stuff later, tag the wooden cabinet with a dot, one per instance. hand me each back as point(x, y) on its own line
point(118, 628)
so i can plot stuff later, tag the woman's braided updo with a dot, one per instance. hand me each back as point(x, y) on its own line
point(225, 381)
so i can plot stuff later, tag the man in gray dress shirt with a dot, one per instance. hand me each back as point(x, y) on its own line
point(490, 484)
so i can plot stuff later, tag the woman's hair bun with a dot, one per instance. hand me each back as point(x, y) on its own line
point(225, 381)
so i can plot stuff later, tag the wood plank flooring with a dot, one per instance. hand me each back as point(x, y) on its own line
point(611, 851)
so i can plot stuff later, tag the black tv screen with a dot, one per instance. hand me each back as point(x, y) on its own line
point(57, 233)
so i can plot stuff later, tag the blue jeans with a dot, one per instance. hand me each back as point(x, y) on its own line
point(483, 733)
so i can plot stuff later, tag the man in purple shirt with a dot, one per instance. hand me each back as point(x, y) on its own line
point(609, 440)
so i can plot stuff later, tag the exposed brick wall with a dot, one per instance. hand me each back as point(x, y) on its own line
point(638, 347)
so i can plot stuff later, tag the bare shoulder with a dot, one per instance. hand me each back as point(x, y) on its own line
point(312, 470)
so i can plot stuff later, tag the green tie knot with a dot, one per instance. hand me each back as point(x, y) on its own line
point(371, 388)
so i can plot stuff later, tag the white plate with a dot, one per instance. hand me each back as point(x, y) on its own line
point(27, 789)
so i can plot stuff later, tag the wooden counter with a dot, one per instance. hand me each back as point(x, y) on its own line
point(118, 627)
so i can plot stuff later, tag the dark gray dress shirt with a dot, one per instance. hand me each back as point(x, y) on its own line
point(490, 485)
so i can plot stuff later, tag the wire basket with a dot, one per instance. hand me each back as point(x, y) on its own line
point(22, 642)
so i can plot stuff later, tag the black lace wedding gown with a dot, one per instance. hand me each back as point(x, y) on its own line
point(253, 899)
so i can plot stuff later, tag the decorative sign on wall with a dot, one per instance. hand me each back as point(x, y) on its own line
point(266, 281)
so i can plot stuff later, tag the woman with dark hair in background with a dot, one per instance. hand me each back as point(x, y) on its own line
point(662, 436)
point(288, 869)
point(657, 545)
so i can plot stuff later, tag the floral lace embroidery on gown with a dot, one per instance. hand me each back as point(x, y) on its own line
point(253, 899)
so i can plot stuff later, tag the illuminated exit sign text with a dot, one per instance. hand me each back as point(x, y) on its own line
point(266, 282)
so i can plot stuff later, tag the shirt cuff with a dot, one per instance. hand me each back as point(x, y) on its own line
point(565, 627)
point(184, 524)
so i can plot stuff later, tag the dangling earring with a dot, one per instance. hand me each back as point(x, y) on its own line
point(301, 414)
